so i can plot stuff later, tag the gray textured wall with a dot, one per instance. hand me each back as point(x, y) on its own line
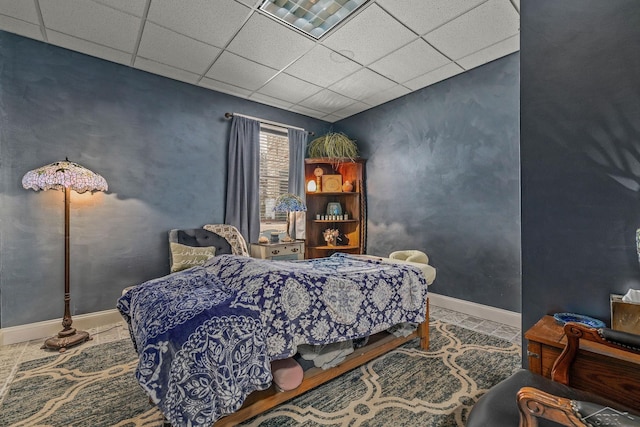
point(443, 177)
point(580, 155)
point(160, 144)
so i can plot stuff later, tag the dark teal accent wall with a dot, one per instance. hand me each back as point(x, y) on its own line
point(580, 154)
point(443, 177)
point(159, 143)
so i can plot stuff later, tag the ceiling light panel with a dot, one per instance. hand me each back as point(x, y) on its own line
point(312, 17)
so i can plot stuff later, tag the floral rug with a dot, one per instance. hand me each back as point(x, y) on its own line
point(407, 386)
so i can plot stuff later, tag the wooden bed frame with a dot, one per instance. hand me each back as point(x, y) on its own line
point(379, 344)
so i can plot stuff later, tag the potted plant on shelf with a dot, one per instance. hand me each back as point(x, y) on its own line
point(334, 146)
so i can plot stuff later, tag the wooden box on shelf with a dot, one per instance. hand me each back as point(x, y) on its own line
point(353, 203)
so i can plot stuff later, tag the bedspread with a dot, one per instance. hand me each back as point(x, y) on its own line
point(205, 336)
point(199, 358)
point(323, 300)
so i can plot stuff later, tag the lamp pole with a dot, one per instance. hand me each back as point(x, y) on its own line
point(66, 320)
point(68, 336)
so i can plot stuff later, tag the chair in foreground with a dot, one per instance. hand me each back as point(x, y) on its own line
point(534, 403)
point(529, 399)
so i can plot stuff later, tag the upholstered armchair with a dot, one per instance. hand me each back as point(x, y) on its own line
point(232, 235)
point(194, 246)
point(529, 399)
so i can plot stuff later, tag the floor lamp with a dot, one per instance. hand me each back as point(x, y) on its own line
point(65, 176)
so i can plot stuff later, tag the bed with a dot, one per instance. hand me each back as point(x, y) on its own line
point(205, 336)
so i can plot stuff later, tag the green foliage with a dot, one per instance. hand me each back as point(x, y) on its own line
point(335, 146)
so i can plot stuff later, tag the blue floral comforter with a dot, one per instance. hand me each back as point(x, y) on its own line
point(205, 336)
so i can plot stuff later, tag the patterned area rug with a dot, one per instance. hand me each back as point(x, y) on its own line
point(408, 387)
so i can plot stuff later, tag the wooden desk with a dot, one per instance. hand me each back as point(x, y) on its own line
point(608, 372)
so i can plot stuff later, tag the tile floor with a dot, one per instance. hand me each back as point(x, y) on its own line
point(477, 324)
point(12, 355)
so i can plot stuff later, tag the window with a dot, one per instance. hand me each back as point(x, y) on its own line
point(274, 174)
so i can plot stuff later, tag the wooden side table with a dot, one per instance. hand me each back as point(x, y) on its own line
point(599, 369)
point(278, 251)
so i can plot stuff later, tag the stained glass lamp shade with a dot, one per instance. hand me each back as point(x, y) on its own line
point(66, 176)
point(289, 203)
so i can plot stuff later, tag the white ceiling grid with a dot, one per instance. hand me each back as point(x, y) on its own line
point(388, 48)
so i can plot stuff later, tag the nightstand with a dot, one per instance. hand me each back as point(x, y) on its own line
point(278, 251)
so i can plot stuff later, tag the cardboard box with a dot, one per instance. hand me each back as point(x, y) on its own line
point(625, 316)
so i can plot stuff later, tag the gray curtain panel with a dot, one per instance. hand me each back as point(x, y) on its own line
point(297, 186)
point(243, 178)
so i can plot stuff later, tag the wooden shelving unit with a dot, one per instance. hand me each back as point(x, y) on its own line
point(352, 203)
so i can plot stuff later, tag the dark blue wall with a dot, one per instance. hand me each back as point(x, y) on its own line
point(443, 177)
point(160, 144)
point(580, 154)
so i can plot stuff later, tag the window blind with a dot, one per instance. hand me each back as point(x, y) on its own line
point(274, 170)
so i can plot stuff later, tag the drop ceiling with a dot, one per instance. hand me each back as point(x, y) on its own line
point(386, 49)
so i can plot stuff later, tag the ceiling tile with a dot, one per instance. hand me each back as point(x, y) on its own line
point(389, 48)
point(498, 50)
point(331, 118)
point(223, 87)
point(362, 84)
point(370, 35)
point(88, 48)
point(134, 7)
point(19, 27)
point(265, 41)
point(165, 70)
point(423, 16)
point(386, 95)
point(485, 25)
point(307, 111)
point(327, 101)
point(213, 22)
point(238, 71)
point(410, 61)
point(171, 48)
point(322, 66)
point(252, 3)
point(20, 9)
point(355, 108)
point(288, 88)
point(264, 99)
point(92, 21)
point(434, 76)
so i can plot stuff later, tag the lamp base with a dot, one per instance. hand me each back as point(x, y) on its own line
point(65, 339)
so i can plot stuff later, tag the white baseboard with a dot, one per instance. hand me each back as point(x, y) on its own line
point(499, 315)
point(49, 328)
